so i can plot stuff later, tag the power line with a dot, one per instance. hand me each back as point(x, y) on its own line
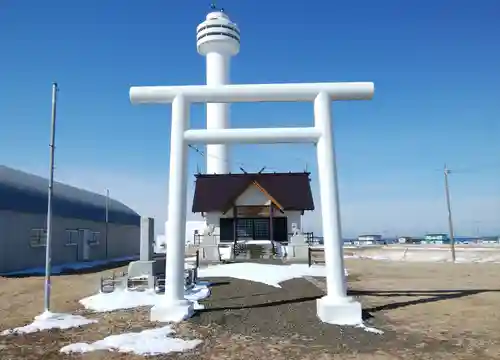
point(477, 168)
point(241, 164)
point(205, 155)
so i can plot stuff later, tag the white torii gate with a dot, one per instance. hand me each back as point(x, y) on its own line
point(336, 307)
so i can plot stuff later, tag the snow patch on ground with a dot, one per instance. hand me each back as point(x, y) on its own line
point(370, 329)
point(124, 299)
point(147, 342)
point(49, 320)
point(426, 255)
point(268, 274)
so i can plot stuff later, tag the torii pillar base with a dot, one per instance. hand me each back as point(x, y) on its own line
point(339, 311)
point(172, 311)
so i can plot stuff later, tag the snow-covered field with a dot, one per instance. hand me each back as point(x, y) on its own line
point(427, 254)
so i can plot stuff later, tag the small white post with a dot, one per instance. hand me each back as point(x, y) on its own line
point(335, 307)
point(176, 307)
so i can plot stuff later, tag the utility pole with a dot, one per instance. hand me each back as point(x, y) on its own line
point(448, 205)
point(107, 222)
point(48, 249)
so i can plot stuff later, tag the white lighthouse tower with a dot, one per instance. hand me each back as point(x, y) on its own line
point(218, 39)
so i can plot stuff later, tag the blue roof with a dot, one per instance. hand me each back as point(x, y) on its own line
point(27, 193)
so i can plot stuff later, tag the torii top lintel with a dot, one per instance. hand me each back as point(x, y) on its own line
point(295, 92)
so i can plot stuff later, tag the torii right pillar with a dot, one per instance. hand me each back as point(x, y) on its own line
point(336, 307)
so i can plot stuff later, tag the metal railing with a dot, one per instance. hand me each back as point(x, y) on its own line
point(190, 279)
point(109, 283)
point(198, 238)
point(311, 260)
point(309, 238)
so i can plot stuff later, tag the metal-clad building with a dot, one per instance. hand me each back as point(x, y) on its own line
point(78, 225)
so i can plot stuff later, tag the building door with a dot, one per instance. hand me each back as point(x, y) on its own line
point(86, 240)
point(80, 245)
point(280, 229)
point(254, 229)
point(226, 230)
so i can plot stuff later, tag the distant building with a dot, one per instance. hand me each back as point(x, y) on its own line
point(368, 240)
point(488, 240)
point(79, 230)
point(253, 206)
point(405, 240)
point(436, 239)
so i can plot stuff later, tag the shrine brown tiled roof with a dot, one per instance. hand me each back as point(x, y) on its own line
point(217, 192)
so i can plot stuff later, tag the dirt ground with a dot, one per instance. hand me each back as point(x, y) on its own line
point(427, 310)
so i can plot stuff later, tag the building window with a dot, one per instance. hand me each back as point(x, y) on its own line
point(95, 238)
point(218, 33)
point(72, 237)
point(38, 237)
point(261, 229)
point(232, 28)
point(244, 228)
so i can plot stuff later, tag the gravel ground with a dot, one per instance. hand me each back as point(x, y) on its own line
point(286, 319)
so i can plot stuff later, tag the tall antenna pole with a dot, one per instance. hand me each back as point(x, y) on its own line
point(448, 205)
point(48, 249)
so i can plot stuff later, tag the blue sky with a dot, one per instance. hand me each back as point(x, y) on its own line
point(434, 64)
